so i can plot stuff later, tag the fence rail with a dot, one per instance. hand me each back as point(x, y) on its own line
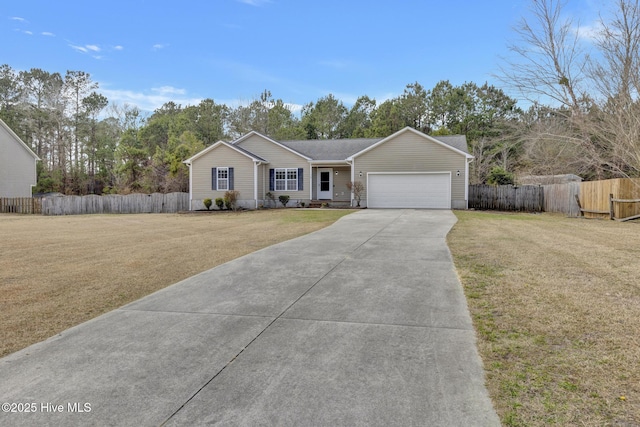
point(116, 204)
point(596, 198)
point(528, 198)
point(21, 205)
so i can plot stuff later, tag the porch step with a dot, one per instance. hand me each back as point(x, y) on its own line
point(328, 204)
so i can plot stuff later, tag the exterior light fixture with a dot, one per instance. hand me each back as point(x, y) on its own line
point(458, 173)
point(336, 172)
point(360, 174)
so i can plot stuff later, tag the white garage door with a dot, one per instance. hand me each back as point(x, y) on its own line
point(409, 190)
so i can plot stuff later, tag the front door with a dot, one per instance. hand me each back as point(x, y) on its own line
point(325, 183)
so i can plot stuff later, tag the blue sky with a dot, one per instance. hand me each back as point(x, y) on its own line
point(146, 53)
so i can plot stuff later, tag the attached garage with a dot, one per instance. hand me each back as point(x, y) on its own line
point(424, 190)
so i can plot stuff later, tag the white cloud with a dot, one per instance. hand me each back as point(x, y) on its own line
point(588, 33)
point(149, 100)
point(118, 47)
point(47, 33)
point(79, 48)
point(91, 49)
point(159, 46)
point(168, 90)
point(17, 18)
point(29, 33)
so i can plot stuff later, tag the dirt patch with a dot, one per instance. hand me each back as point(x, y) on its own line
point(56, 272)
point(556, 305)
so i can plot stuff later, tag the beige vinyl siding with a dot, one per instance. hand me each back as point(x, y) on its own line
point(17, 167)
point(410, 152)
point(222, 156)
point(341, 192)
point(278, 157)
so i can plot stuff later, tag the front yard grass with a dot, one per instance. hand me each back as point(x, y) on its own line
point(555, 303)
point(57, 272)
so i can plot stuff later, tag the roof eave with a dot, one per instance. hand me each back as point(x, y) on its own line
point(408, 129)
point(213, 146)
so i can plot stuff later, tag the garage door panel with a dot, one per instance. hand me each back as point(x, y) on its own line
point(421, 190)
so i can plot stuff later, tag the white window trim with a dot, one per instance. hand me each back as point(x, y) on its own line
point(218, 179)
point(286, 179)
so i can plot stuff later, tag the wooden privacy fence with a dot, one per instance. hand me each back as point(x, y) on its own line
point(611, 198)
point(528, 198)
point(561, 198)
point(115, 204)
point(21, 205)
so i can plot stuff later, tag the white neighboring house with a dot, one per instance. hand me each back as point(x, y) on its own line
point(17, 165)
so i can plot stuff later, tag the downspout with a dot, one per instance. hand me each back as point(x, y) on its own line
point(255, 181)
point(353, 177)
point(190, 186)
point(466, 186)
point(310, 182)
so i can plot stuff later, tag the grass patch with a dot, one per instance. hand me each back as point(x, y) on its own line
point(556, 306)
point(57, 272)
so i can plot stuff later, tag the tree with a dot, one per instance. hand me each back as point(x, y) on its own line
point(616, 78)
point(499, 176)
point(357, 188)
point(10, 93)
point(93, 106)
point(77, 86)
point(210, 122)
point(358, 121)
point(323, 120)
point(386, 119)
point(413, 107)
point(550, 66)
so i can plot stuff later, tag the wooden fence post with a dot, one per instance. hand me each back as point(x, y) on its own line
point(611, 215)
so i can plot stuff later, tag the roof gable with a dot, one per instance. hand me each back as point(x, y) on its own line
point(15, 137)
point(272, 141)
point(425, 136)
point(226, 144)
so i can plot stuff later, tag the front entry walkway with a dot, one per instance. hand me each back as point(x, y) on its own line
point(361, 323)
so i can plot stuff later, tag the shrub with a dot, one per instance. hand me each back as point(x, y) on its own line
point(271, 198)
point(356, 187)
point(220, 203)
point(284, 199)
point(499, 176)
point(207, 203)
point(231, 199)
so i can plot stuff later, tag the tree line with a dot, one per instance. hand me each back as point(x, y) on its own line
point(582, 115)
point(89, 146)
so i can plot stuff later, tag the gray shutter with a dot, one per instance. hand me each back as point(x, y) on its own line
point(300, 179)
point(272, 180)
point(230, 178)
point(214, 179)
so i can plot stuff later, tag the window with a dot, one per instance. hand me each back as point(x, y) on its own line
point(286, 179)
point(223, 179)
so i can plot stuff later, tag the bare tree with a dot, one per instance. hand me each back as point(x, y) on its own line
point(549, 66)
point(616, 78)
point(357, 188)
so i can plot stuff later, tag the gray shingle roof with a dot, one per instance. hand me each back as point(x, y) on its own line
point(330, 149)
point(248, 153)
point(341, 149)
point(456, 141)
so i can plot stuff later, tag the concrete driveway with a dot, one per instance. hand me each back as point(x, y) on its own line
point(361, 323)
